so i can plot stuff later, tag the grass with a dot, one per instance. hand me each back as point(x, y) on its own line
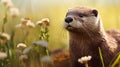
point(101, 57)
point(116, 61)
point(33, 53)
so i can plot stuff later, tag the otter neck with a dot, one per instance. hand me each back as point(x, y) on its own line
point(95, 37)
point(91, 35)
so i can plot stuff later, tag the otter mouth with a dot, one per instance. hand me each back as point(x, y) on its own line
point(69, 27)
point(72, 29)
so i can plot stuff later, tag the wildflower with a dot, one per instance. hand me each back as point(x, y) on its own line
point(30, 24)
point(27, 50)
point(7, 3)
point(22, 45)
point(5, 36)
point(41, 43)
point(24, 20)
point(14, 12)
point(84, 60)
point(45, 20)
point(2, 55)
point(39, 22)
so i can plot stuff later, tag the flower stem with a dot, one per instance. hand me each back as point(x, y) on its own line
point(4, 21)
point(26, 35)
point(47, 52)
point(86, 64)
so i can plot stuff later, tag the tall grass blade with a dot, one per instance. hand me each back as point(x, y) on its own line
point(116, 61)
point(101, 57)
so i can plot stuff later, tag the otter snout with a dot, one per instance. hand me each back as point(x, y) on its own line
point(68, 19)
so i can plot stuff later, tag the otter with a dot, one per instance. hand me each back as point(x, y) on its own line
point(86, 35)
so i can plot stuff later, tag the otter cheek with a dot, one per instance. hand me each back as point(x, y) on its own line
point(75, 24)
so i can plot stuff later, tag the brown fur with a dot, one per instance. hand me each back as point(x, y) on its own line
point(86, 39)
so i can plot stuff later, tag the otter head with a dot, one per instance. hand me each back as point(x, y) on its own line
point(81, 19)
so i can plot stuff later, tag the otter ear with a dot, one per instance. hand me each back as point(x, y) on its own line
point(95, 12)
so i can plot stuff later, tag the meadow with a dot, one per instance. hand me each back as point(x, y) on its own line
point(44, 33)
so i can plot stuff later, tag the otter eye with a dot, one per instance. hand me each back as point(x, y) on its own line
point(81, 15)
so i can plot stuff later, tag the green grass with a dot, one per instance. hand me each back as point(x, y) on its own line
point(101, 57)
point(116, 61)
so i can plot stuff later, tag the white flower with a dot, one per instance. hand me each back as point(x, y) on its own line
point(2, 55)
point(84, 59)
point(30, 24)
point(14, 12)
point(5, 36)
point(7, 3)
point(39, 22)
point(27, 50)
point(45, 20)
point(21, 45)
point(24, 20)
point(41, 43)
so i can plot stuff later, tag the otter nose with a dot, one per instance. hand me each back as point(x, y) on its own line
point(68, 19)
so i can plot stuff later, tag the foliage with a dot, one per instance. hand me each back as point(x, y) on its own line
point(22, 54)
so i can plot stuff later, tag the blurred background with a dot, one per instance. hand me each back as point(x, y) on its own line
point(55, 10)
